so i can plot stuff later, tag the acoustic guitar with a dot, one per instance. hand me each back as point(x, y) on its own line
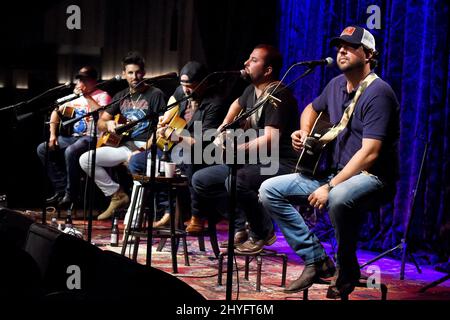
point(174, 123)
point(313, 150)
point(66, 113)
point(112, 139)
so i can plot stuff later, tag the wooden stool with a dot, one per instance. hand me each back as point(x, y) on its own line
point(171, 185)
point(258, 256)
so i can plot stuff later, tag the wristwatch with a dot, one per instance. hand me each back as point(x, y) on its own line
point(330, 185)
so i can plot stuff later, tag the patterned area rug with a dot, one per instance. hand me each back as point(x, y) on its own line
point(202, 274)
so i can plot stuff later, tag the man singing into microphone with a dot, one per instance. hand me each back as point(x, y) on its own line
point(66, 147)
point(142, 100)
point(273, 124)
point(363, 170)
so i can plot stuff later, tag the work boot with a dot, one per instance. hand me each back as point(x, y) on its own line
point(196, 225)
point(239, 238)
point(118, 200)
point(311, 274)
point(253, 246)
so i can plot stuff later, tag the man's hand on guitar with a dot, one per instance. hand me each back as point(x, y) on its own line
point(319, 197)
point(111, 126)
point(298, 139)
point(52, 142)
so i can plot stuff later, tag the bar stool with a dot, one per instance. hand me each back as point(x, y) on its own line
point(259, 258)
point(137, 229)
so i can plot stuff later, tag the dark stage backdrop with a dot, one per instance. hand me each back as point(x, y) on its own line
point(413, 40)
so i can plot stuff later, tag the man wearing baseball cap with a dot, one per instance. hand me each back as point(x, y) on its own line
point(364, 168)
point(67, 147)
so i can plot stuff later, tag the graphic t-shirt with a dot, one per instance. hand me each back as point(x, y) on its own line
point(139, 105)
point(82, 106)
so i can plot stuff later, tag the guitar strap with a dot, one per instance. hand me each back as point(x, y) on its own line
point(333, 132)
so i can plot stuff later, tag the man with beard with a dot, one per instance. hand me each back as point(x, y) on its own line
point(143, 99)
point(364, 165)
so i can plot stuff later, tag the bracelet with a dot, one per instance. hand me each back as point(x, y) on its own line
point(330, 185)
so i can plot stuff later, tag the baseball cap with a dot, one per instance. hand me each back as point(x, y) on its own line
point(87, 72)
point(355, 35)
point(192, 71)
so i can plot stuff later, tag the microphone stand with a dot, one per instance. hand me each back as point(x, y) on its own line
point(95, 117)
point(233, 203)
point(45, 135)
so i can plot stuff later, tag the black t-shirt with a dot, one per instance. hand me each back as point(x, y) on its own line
point(283, 116)
point(137, 106)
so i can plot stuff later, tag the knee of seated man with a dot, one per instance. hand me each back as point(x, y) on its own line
point(339, 199)
point(84, 160)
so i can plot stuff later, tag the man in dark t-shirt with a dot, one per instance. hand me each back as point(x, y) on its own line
point(272, 125)
point(364, 165)
point(135, 102)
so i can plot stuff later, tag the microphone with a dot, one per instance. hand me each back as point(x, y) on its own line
point(170, 75)
point(313, 63)
point(166, 76)
point(62, 86)
point(241, 73)
point(70, 97)
point(115, 78)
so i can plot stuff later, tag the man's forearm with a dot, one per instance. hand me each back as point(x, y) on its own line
point(361, 160)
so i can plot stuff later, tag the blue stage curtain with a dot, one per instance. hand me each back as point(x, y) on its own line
point(414, 58)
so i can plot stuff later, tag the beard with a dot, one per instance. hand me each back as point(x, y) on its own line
point(348, 67)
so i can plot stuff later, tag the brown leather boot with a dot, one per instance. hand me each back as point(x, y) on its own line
point(311, 274)
point(118, 200)
point(196, 225)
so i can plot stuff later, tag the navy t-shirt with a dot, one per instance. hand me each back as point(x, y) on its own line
point(136, 107)
point(376, 116)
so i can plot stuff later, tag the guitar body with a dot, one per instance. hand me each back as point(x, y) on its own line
point(176, 124)
point(66, 113)
point(111, 139)
point(312, 153)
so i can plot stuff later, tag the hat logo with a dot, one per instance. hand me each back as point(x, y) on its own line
point(348, 31)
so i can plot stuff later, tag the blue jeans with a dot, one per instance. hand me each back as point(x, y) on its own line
point(212, 184)
point(63, 168)
point(346, 203)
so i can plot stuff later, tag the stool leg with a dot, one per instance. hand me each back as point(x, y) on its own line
point(219, 273)
point(161, 244)
point(258, 273)
point(136, 247)
point(201, 243)
point(186, 253)
point(305, 294)
point(384, 291)
point(247, 262)
point(283, 274)
point(172, 234)
point(130, 219)
point(213, 239)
